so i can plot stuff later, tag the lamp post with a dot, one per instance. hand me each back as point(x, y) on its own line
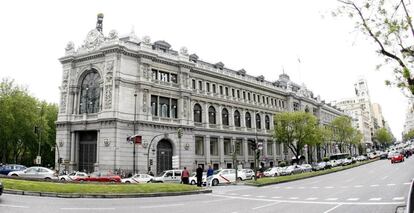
point(135, 119)
point(39, 133)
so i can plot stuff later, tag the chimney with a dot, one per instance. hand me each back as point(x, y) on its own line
point(99, 22)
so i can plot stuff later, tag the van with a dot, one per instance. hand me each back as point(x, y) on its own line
point(169, 176)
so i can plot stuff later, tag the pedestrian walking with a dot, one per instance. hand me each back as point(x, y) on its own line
point(210, 172)
point(185, 175)
point(199, 174)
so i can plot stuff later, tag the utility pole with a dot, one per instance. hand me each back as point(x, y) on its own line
point(135, 119)
point(235, 157)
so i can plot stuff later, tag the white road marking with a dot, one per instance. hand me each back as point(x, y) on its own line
point(408, 183)
point(219, 200)
point(329, 187)
point(264, 206)
point(358, 186)
point(277, 197)
point(161, 206)
point(315, 187)
point(311, 198)
point(391, 184)
point(353, 199)
point(375, 199)
point(233, 194)
point(79, 209)
point(329, 210)
point(374, 185)
point(293, 198)
point(331, 199)
point(301, 187)
point(260, 196)
point(13, 206)
point(398, 198)
point(289, 187)
point(246, 195)
point(385, 177)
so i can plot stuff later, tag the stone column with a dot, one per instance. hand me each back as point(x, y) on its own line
point(205, 116)
point(221, 149)
point(207, 148)
point(243, 119)
point(72, 148)
point(231, 118)
point(274, 152)
point(219, 119)
point(246, 151)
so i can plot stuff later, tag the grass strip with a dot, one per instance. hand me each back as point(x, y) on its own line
point(36, 186)
point(281, 179)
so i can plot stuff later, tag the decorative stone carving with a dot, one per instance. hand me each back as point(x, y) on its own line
point(144, 100)
point(70, 46)
point(63, 103)
point(184, 51)
point(184, 107)
point(64, 86)
point(106, 142)
point(146, 40)
point(93, 40)
point(109, 66)
point(108, 90)
point(145, 70)
point(61, 143)
point(113, 35)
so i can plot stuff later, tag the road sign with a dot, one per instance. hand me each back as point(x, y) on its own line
point(38, 160)
point(175, 162)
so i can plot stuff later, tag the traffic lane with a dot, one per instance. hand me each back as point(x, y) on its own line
point(365, 208)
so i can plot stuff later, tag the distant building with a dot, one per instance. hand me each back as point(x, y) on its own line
point(409, 118)
point(378, 118)
point(117, 86)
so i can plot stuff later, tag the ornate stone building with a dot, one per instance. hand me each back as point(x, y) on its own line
point(111, 81)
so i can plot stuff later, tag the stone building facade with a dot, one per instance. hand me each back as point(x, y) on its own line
point(112, 84)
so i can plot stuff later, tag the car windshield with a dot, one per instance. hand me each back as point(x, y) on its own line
point(216, 172)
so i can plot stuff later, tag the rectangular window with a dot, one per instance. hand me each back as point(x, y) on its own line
point(199, 145)
point(154, 74)
point(269, 148)
point(227, 146)
point(227, 91)
point(265, 101)
point(239, 147)
point(238, 93)
point(214, 88)
point(244, 95)
point(278, 148)
point(154, 105)
point(254, 97)
point(164, 107)
point(163, 76)
point(214, 146)
point(295, 106)
point(208, 87)
point(194, 84)
point(221, 90)
point(174, 108)
point(248, 96)
point(249, 147)
point(200, 85)
point(258, 98)
point(173, 78)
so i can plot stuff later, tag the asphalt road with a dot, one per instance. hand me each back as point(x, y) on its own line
point(376, 187)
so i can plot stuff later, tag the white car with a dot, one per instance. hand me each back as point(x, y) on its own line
point(226, 176)
point(72, 176)
point(35, 172)
point(272, 172)
point(193, 179)
point(306, 167)
point(138, 178)
point(248, 172)
point(169, 176)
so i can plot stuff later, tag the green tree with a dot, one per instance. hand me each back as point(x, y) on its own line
point(383, 137)
point(409, 135)
point(324, 138)
point(342, 131)
point(355, 140)
point(296, 129)
point(389, 25)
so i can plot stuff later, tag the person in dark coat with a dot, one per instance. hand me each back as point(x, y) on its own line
point(199, 175)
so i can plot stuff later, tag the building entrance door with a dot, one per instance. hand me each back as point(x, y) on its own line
point(87, 150)
point(164, 155)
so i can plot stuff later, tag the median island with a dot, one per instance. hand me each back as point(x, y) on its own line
point(56, 189)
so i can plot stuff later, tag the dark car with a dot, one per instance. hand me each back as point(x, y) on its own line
point(384, 155)
point(1, 188)
point(4, 170)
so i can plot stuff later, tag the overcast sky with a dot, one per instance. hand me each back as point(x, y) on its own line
point(263, 37)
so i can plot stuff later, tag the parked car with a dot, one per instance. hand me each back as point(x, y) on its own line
point(334, 163)
point(35, 172)
point(397, 158)
point(100, 177)
point(4, 170)
point(193, 178)
point(361, 158)
point(272, 172)
point(319, 166)
point(383, 155)
point(72, 176)
point(1, 188)
point(346, 161)
point(169, 176)
point(138, 178)
point(226, 176)
point(306, 167)
point(249, 173)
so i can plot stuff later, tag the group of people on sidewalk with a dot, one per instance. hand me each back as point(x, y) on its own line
point(185, 176)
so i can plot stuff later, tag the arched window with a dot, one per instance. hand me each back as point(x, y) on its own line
point(225, 117)
point(248, 120)
point(90, 93)
point(164, 110)
point(211, 115)
point(237, 118)
point(267, 122)
point(197, 113)
point(307, 109)
point(258, 121)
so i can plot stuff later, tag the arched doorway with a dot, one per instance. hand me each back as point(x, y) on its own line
point(164, 155)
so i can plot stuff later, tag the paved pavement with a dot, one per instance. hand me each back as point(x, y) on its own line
point(376, 187)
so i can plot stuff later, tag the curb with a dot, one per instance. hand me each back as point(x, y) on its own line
point(132, 195)
point(267, 184)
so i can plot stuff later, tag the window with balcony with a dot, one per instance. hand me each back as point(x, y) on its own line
point(173, 78)
point(154, 105)
point(163, 76)
point(90, 93)
point(208, 87)
point(199, 145)
point(227, 91)
point(214, 88)
point(194, 84)
point(211, 115)
point(225, 117)
point(233, 94)
point(197, 113)
point(238, 93)
point(164, 107)
point(267, 122)
point(248, 96)
point(248, 120)
point(154, 74)
point(200, 85)
point(258, 121)
point(244, 95)
point(221, 90)
point(237, 118)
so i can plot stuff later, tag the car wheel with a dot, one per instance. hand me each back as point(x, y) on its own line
point(215, 182)
point(47, 178)
point(240, 179)
point(112, 181)
point(63, 179)
point(127, 182)
point(14, 175)
point(275, 175)
point(193, 182)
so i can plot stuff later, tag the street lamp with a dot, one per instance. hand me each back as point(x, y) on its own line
point(135, 119)
point(38, 130)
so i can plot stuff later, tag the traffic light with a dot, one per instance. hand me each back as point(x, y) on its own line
point(258, 154)
point(180, 132)
point(253, 145)
point(151, 162)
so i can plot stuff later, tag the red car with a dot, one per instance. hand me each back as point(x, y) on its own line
point(99, 177)
point(397, 158)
